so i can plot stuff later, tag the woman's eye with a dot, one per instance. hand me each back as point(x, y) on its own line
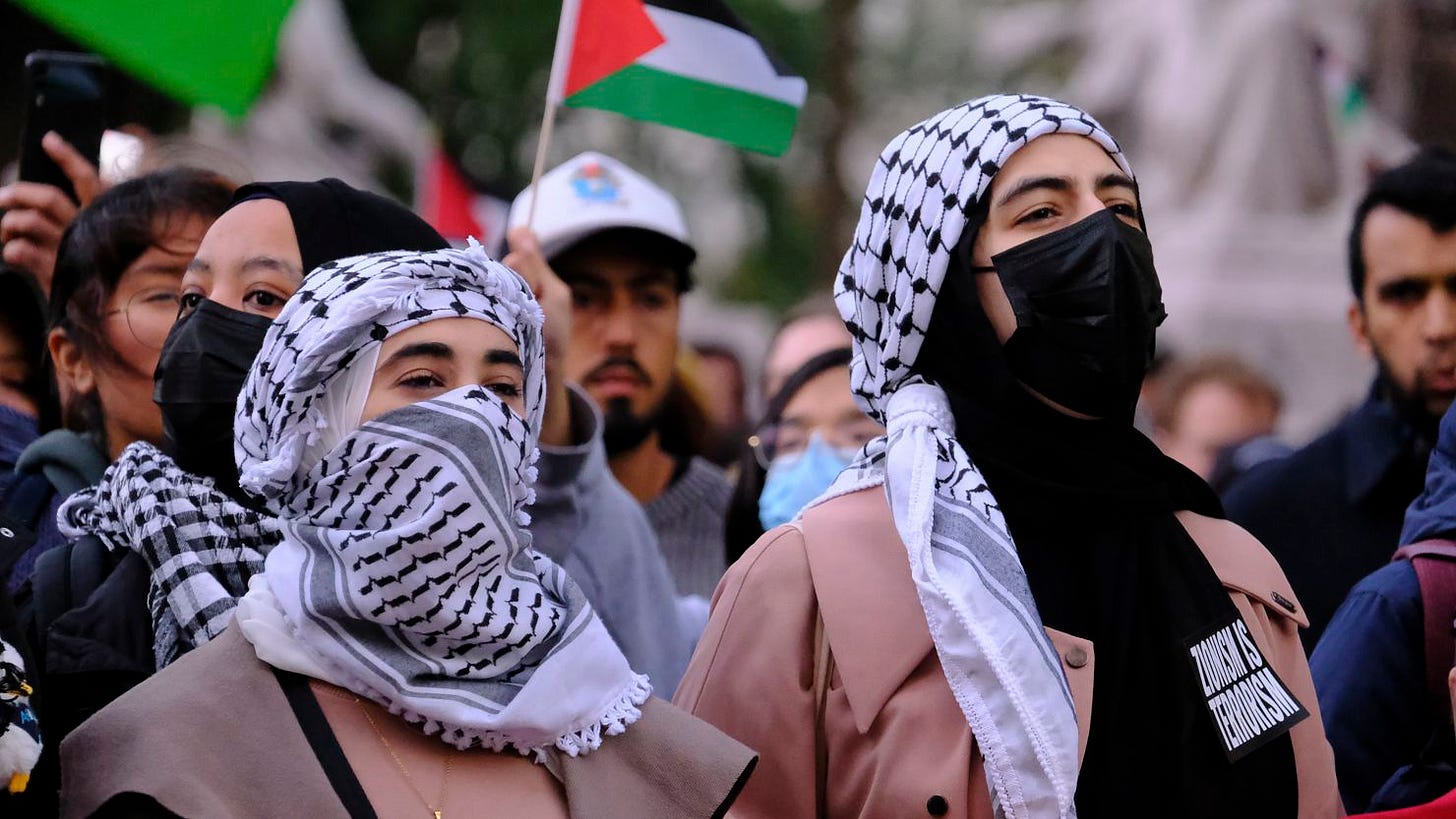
point(421, 381)
point(190, 301)
point(1039, 215)
point(505, 389)
point(1124, 209)
point(263, 299)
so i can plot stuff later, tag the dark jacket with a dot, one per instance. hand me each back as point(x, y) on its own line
point(70, 462)
point(1370, 666)
point(1331, 513)
point(1369, 671)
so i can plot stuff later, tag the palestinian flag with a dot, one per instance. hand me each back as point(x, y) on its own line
point(691, 64)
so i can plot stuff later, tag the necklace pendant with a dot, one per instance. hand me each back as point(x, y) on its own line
point(437, 813)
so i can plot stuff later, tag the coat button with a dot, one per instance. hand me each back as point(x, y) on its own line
point(937, 806)
point(1076, 658)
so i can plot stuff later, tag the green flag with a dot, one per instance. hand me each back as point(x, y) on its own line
point(203, 52)
point(690, 64)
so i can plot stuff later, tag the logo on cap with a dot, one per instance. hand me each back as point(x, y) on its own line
point(595, 183)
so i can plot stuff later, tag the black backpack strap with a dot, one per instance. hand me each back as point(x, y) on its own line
point(66, 577)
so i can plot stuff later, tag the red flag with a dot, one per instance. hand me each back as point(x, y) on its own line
point(598, 38)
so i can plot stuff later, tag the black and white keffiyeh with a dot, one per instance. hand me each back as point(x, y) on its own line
point(1000, 664)
point(200, 545)
point(404, 572)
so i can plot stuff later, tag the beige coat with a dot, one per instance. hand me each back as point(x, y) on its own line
point(214, 736)
point(898, 745)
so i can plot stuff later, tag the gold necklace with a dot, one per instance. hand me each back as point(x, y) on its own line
point(409, 780)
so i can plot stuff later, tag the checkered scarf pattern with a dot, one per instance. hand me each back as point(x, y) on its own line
point(1000, 664)
point(405, 570)
point(200, 545)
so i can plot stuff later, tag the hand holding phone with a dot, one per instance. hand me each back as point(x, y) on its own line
point(36, 214)
point(65, 93)
point(64, 100)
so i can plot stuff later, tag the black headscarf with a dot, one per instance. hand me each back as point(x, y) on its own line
point(332, 221)
point(1090, 506)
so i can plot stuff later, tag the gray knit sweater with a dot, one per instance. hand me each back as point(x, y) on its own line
point(689, 518)
point(586, 522)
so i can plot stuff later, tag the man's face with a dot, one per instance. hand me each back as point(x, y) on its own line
point(623, 327)
point(1407, 318)
point(1052, 183)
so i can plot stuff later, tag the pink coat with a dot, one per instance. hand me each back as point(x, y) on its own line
point(898, 745)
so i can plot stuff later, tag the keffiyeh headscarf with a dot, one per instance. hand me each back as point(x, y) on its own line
point(1001, 666)
point(200, 545)
point(404, 571)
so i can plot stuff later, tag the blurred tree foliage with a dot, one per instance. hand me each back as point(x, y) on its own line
point(480, 71)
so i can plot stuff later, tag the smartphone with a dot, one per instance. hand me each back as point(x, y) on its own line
point(65, 93)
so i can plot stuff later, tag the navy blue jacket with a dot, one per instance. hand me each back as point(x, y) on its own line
point(1331, 513)
point(1369, 673)
point(1369, 668)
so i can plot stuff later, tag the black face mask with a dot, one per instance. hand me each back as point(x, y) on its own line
point(199, 376)
point(1087, 304)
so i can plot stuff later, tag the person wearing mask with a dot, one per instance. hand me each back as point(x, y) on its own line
point(193, 555)
point(112, 301)
point(162, 545)
point(621, 245)
point(403, 651)
point(811, 430)
point(1331, 512)
point(1012, 599)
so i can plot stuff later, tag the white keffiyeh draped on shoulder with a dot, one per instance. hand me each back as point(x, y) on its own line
point(999, 662)
point(404, 571)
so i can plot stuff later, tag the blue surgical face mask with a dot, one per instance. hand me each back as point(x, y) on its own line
point(794, 480)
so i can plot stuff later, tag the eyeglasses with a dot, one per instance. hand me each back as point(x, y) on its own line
point(150, 315)
point(788, 438)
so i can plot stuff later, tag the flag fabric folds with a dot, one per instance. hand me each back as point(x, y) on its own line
point(203, 52)
point(690, 64)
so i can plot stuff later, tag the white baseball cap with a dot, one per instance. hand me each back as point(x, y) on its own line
point(592, 192)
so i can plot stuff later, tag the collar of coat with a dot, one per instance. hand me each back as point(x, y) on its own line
point(875, 625)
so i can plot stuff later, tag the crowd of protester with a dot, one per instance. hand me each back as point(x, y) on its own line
point(303, 511)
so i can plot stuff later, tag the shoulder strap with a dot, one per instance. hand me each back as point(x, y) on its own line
point(65, 577)
point(823, 673)
point(1435, 565)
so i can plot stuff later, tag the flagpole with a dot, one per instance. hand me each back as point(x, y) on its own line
point(555, 93)
point(543, 143)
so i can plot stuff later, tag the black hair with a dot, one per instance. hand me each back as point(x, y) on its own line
point(106, 238)
point(639, 242)
point(742, 526)
point(1424, 187)
point(22, 312)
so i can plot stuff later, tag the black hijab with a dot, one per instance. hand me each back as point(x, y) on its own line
point(333, 220)
point(1090, 506)
point(203, 367)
